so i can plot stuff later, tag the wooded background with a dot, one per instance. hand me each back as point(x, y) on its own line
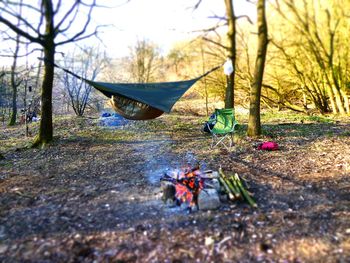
point(306, 67)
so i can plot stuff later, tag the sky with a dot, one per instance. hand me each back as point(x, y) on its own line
point(164, 22)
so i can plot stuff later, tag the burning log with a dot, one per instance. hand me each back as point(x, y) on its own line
point(169, 191)
point(188, 183)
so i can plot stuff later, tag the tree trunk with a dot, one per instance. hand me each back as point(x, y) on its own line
point(205, 84)
point(338, 99)
point(231, 48)
point(336, 86)
point(46, 130)
point(13, 116)
point(346, 101)
point(14, 84)
point(254, 126)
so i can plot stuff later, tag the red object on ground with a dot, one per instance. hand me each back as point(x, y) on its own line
point(268, 146)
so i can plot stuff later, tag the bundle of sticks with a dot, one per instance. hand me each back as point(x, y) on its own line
point(235, 189)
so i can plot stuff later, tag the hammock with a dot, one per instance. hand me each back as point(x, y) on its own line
point(142, 101)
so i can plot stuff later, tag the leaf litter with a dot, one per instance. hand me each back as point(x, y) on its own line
point(94, 195)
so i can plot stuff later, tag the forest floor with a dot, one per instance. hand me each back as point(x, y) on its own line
point(94, 194)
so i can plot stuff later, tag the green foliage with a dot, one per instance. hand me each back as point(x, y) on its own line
point(288, 116)
point(320, 119)
point(346, 134)
point(309, 55)
point(281, 116)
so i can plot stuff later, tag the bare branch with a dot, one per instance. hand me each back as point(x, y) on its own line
point(210, 29)
point(197, 4)
point(75, 7)
point(13, 38)
point(217, 17)
point(18, 17)
point(20, 31)
point(214, 42)
point(55, 10)
point(70, 23)
point(76, 38)
point(245, 16)
point(103, 6)
point(40, 21)
point(20, 56)
point(22, 4)
point(79, 36)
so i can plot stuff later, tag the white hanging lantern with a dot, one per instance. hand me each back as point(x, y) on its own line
point(228, 67)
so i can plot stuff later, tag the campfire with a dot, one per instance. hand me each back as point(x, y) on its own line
point(184, 186)
point(196, 189)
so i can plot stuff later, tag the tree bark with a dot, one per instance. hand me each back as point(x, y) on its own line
point(338, 100)
point(231, 50)
point(14, 93)
point(14, 84)
point(46, 128)
point(254, 125)
point(346, 101)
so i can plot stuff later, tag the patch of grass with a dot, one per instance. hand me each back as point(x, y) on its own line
point(319, 119)
point(240, 133)
point(329, 134)
point(270, 130)
point(293, 117)
point(156, 124)
point(182, 126)
point(345, 134)
point(15, 143)
point(296, 130)
point(280, 116)
point(5, 164)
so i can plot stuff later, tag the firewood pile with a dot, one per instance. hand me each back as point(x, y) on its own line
point(235, 189)
point(195, 189)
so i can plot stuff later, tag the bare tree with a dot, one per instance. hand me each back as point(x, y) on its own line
point(322, 29)
point(254, 125)
point(49, 31)
point(145, 59)
point(177, 57)
point(88, 65)
point(230, 50)
point(4, 94)
point(307, 80)
point(15, 81)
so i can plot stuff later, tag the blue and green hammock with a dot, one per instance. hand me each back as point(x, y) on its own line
point(142, 101)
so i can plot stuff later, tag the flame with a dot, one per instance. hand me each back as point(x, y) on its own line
point(188, 184)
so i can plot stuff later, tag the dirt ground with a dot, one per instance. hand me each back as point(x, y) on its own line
point(94, 194)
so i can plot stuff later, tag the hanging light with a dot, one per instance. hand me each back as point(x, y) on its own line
point(228, 67)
